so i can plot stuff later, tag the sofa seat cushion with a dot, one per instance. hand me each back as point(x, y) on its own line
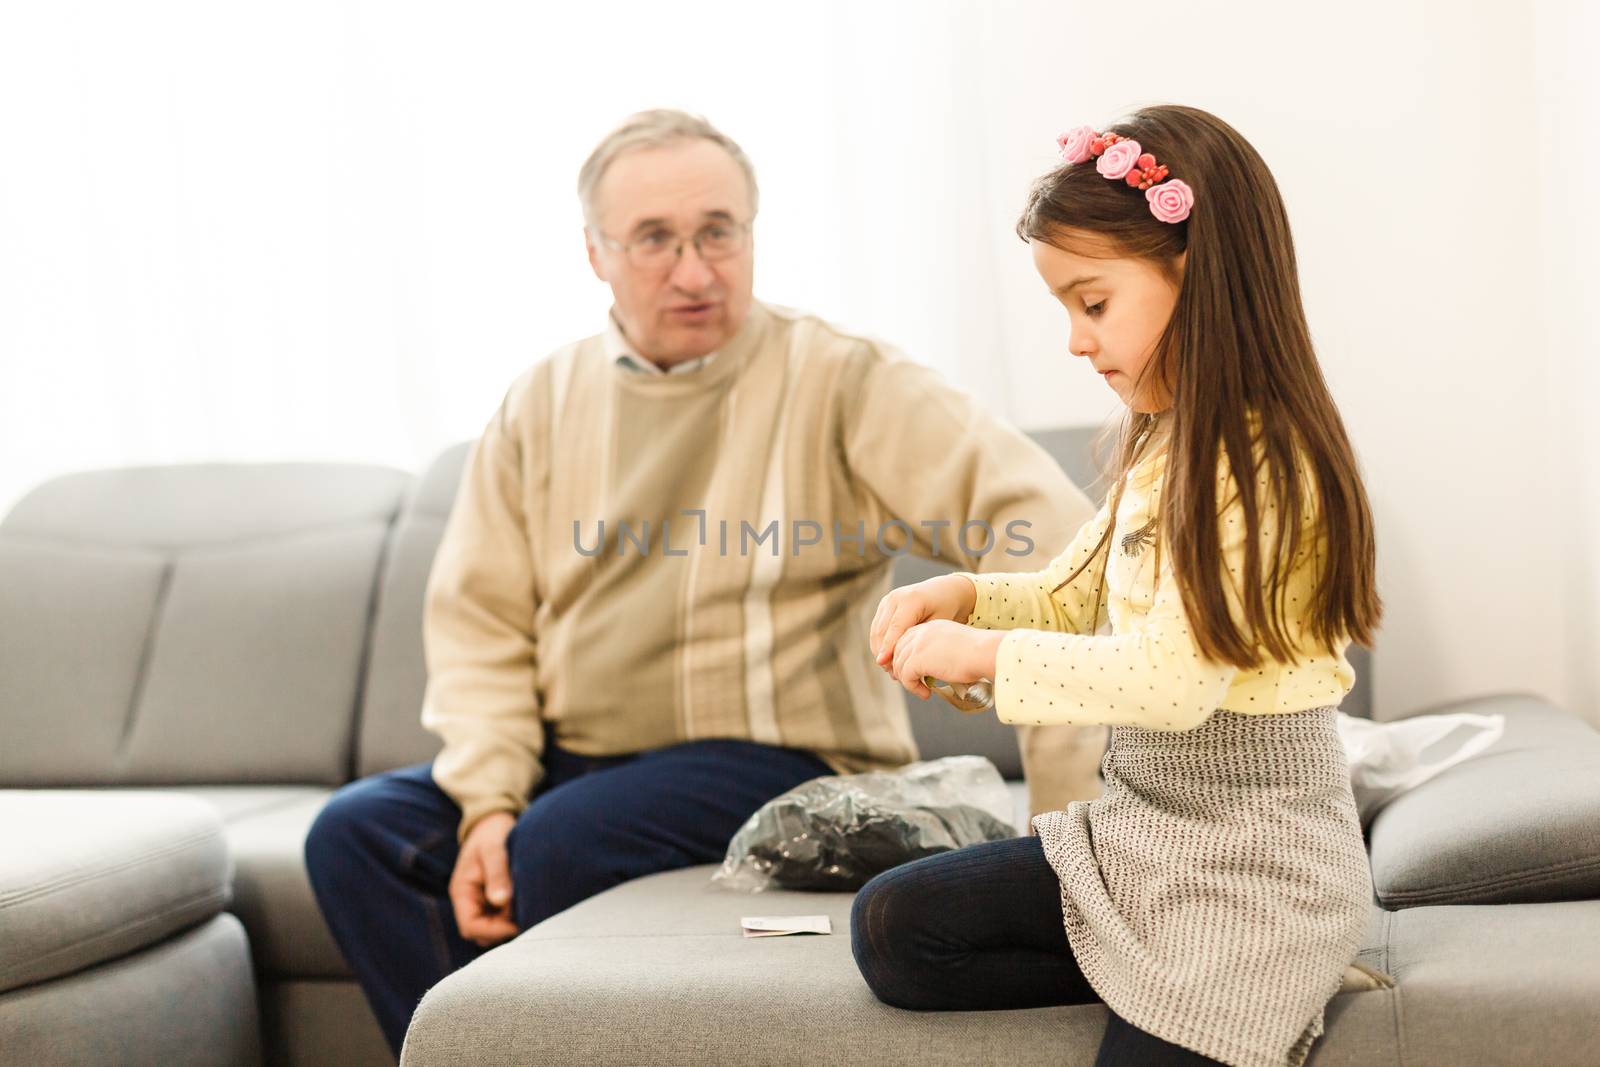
point(657, 971)
point(266, 830)
point(86, 876)
point(1492, 985)
point(187, 1001)
point(1519, 823)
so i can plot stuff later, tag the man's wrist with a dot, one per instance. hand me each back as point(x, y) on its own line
point(474, 817)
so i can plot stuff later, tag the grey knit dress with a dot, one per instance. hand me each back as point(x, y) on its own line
point(1216, 890)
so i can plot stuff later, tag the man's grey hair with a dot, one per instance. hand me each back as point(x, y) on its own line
point(652, 129)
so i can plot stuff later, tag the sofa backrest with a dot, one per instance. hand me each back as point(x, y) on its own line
point(390, 735)
point(390, 732)
point(198, 623)
point(263, 623)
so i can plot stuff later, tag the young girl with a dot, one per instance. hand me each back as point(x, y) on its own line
point(1214, 894)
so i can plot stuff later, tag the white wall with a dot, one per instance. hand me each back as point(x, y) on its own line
point(1411, 143)
point(1568, 95)
point(337, 230)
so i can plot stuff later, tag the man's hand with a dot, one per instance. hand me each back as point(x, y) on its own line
point(945, 650)
point(948, 596)
point(480, 885)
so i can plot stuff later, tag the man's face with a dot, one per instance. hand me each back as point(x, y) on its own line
point(686, 308)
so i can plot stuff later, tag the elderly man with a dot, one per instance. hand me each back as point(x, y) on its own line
point(648, 614)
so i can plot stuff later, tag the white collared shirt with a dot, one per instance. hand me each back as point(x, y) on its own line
point(621, 352)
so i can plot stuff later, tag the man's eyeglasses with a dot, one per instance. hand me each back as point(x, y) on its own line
point(661, 249)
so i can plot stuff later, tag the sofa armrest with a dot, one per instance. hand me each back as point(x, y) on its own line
point(1518, 824)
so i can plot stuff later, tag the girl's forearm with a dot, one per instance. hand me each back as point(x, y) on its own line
point(987, 652)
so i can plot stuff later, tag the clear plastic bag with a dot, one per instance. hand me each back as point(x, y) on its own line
point(836, 832)
point(1388, 758)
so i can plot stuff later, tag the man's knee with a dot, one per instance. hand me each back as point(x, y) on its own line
point(372, 813)
point(333, 833)
point(350, 825)
point(560, 854)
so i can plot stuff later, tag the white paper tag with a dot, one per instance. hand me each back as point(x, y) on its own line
point(779, 925)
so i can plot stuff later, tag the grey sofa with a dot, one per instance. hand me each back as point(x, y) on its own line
point(193, 658)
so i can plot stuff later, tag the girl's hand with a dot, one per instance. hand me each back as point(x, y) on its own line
point(945, 650)
point(948, 596)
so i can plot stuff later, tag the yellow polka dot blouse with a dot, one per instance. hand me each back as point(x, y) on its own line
point(1137, 662)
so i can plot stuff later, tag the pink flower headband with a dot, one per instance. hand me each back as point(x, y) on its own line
point(1121, 157)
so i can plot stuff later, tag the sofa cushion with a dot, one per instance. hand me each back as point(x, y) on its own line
point(189, 1000)
point(390, 733)
point(86, 876)
point(656, 971)
point(1518, 823)
point(320, 1022)
point(265, 827)
point(230, 603)
point(75, 620)
point(184, 505)
point(1493, 985)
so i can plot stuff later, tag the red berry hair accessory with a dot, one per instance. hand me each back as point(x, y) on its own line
point(1121, 157)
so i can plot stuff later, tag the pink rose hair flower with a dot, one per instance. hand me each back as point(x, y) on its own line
point(1122, 159)
point(1075, 144)
point(1117, 160)
point(1170, 201)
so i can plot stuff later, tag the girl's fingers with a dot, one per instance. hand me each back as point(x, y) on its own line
point(913, 684)
point(879, 619)
point(886, 649)
point(908, 669)
point(902, 653)
point(905, 617)
point(884, 629)
point(893, 640)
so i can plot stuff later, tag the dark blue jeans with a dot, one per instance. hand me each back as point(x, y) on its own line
point(381, 851)
point(980, 929)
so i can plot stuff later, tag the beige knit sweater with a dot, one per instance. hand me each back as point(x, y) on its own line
point(641, 560)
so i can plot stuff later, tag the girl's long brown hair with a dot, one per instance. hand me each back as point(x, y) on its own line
point(1237, 341)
